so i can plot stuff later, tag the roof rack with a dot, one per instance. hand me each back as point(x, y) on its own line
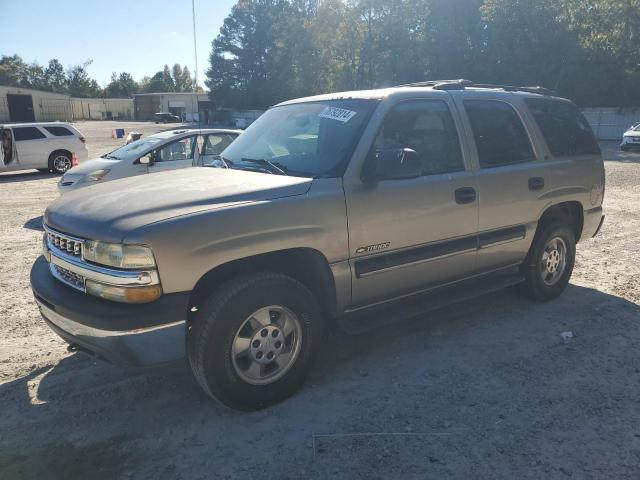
point(461, 84)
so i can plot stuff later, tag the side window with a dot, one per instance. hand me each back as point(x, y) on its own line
point(500, 137)
point(179, 150)
point(427, 127)
point(217, 142)
point(27, 133)
point(59, 131)
point(563, 126)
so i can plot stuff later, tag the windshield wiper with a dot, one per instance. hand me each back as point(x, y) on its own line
point(112, 157)
point(274, 167)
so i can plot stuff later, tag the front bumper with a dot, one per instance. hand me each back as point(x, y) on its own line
point(145, 335)
point(629, 145)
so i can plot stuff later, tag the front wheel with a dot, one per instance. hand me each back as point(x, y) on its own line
point(549, 264)
point(252, 342)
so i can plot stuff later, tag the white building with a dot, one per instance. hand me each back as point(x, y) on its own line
point(25, 105)
point(102, 108)
point(192, 107)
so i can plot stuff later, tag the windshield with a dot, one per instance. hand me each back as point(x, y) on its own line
point(303, 139)
point(134, 149)
point(636, 128)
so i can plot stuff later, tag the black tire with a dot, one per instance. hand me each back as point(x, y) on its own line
point(52, 163)
point(211, 334)
point(534, 287)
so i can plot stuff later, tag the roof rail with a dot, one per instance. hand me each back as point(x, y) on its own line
point(461, 84)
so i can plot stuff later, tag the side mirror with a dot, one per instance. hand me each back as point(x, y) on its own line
point(148, 159)
point(394, 164)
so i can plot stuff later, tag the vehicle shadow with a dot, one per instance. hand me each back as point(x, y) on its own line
point(453, 376)
point(34, 223)
point(24, 176)
point(611, 152)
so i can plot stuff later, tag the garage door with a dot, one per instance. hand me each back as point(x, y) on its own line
point(20, 108)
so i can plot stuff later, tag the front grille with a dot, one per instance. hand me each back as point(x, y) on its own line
point(62, 243)
point(68, 277)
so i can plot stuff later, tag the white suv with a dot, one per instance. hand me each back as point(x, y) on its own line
point(48, 147)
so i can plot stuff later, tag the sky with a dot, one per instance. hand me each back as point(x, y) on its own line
point(135, 36)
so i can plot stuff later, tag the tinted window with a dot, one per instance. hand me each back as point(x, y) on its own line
point(427, 127)
point(180, 150)
point(27, 133)
point(216, 143)
point(59, 131)
point(499, 134)
point(564, 128)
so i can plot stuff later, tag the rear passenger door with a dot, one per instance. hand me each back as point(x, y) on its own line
point(32, 147)
point(511, 180)
point(412, 234)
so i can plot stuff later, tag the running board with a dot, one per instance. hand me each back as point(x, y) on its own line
point(414, 306)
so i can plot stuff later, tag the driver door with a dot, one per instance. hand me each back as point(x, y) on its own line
point(174, 155)
point(408, 235)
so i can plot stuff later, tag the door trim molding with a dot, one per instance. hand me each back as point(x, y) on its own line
point(436, 251)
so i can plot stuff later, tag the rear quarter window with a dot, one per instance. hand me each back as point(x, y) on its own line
point(563, 126)
point(59, 131)
point(27, 133)
point(500, 136)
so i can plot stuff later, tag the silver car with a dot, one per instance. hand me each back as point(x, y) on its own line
point(363, 207)
point(631, 139)
point(162, 151)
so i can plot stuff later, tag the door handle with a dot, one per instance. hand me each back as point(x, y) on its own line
point(465, 195)
point(536, 183)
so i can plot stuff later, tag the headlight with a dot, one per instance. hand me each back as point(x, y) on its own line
point(117, 255)
point(123, 294)
point(95, 176)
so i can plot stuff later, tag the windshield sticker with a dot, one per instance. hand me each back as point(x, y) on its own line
point(339, 114)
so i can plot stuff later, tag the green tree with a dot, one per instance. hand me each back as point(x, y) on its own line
point(121, 86)
point(79, 82)
point(167, 79)
point(55, 77)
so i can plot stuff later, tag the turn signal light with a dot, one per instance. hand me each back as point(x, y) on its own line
point(123, 294)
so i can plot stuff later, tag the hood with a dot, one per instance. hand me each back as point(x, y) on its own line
point(632, 133)
point(110, 210)
point(90, 166)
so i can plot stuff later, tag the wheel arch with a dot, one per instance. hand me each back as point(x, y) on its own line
point(309, 266)
point(571, 212)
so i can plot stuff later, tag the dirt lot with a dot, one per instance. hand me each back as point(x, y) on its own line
point(486, 389)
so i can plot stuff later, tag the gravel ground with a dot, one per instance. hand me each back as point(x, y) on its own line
point(485, 389)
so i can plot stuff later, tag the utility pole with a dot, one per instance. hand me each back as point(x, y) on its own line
point(195, 46)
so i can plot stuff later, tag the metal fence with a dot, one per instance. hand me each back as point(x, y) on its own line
point(611, 123)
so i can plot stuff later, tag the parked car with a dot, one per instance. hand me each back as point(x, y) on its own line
point(49, 147)
point(162, 151)
point(166, 117)
point(631, 139)
point(340, 206)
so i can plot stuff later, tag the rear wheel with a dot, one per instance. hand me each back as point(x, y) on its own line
point(59, 162)
point(252, 342)
point(549, 264)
